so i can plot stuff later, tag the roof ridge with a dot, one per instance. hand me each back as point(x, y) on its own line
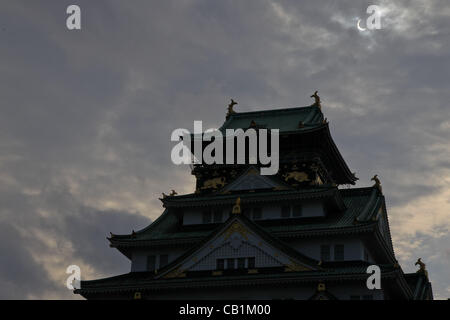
point(320, 190)
point(356, 190)
point(237, 114)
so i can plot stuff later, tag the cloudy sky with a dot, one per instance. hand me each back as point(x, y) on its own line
point(86, 116)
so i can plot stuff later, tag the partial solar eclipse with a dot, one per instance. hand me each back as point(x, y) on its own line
point(359, 26)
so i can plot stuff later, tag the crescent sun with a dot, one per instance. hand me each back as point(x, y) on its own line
point(359, 27)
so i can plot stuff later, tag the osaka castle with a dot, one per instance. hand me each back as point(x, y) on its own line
point(302, 233)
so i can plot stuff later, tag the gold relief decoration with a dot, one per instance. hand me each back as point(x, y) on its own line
point(214, 183)
point(137, 296)
point(294, 266)
point(177, 273)
point(298, 176)
point(321, 287)
point(236, 227)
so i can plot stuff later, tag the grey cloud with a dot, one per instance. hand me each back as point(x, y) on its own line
point(20, 275)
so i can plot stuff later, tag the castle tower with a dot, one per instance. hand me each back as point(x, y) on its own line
point(244, 235)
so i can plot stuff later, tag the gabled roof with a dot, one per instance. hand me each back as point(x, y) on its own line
point(234, 232)
point(285, 120)
point(251, 179)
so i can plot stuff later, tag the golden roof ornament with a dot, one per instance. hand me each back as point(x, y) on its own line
point(237, 207)
point(171, 194)
point(316, 100)
point(137, 295)
point(230, 108)
point(421, 267)
point(377, 183)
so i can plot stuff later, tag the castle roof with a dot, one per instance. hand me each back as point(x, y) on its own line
point(286, 119)
point(358, 205)
point(334, 272)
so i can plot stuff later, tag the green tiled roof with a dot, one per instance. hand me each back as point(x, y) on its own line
point(357, 201)
point(420, 285)
point(145, 280)
point(195, 199)
point(283, 119)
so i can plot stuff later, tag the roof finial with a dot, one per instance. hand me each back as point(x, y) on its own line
point(237, 207)
point(421, 267)
point(230, 107)
point(321, 287)
point(173, 193)
point(377, 183)
point(316, 100)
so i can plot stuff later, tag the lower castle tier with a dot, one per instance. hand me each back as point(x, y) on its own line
point(293, 235)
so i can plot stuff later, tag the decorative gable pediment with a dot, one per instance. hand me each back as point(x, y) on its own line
point(253, 180)
point(236, 240)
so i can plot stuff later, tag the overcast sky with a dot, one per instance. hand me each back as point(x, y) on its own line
point(86, 116)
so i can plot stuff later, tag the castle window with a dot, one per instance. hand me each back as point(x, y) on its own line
point(297, 211)
point(230, 264)
point(251, 263)
point(339, 252)
point(151, 263)
point(285, 211)
point(241, 263)
point(233, 263)
point(325, 252)
point(217, 215)
point(220, 264)
point(257, 213)
point(354, 298)
point(206, 216)
point(163, 260)
point(367, 297)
